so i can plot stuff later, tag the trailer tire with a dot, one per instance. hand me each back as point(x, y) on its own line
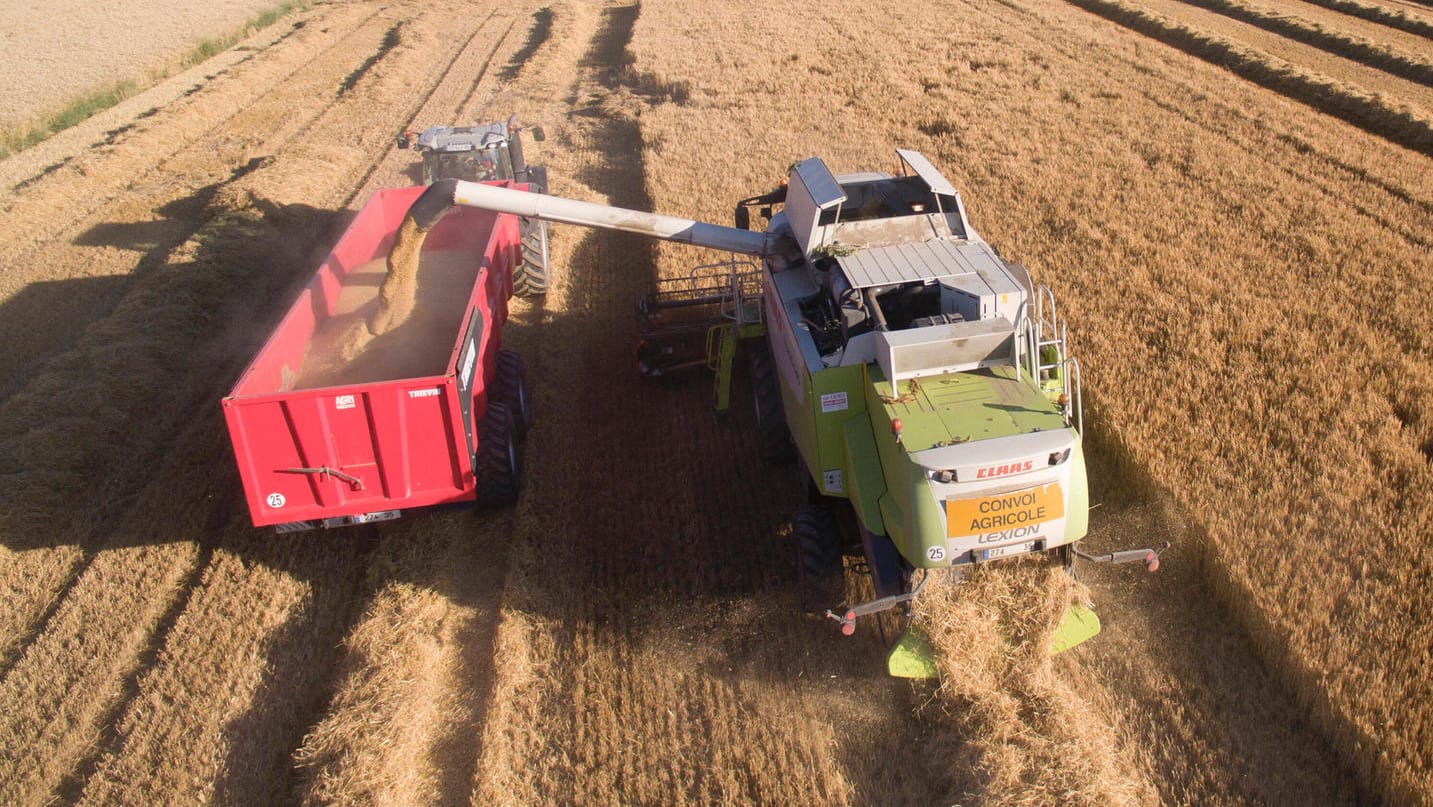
point(498, 464)
point(773, 433)
point(510, 385)
point(530, 276)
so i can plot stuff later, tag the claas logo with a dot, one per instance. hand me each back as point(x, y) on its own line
point(1004, 470)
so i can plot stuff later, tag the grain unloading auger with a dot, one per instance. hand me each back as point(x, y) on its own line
point(923, 381)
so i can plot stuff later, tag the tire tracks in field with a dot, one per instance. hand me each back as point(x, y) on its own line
point(63, 390)
point(281, 699)
point(1298, 29)
point(1300, 147)
point(1406, 126)
point(1380, 15)
point(1218, 116)
point(1230, 729)
point(392, 170)
point(440, 723)
point(656, 603)
point(228, 233)
point(72, 266)
point(1383, 198)
point(1226, 119)
point(26, 169)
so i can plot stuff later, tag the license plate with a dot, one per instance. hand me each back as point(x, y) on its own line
point(382, 515)
point(362, 518)
point(1006, 551)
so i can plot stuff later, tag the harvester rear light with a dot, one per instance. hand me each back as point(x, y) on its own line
point(1057, 457)
point(943, 476)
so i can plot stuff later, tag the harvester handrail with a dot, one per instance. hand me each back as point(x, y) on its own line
point(1077, 401)
point(1043, 293)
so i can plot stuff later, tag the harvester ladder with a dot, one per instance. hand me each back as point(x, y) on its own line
point(1048, 330)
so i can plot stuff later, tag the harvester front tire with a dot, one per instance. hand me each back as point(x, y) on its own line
point(818, 542)
point(498, 464)
point(818, 557)
point(510, 384)
point(530, 276)
point(774, 434)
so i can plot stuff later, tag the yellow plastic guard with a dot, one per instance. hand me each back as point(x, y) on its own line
point(911, 657)
point(1077, 625)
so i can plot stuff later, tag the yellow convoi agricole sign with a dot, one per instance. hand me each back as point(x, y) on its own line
point(1004, 511)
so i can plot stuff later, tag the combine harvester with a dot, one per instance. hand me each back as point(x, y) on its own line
point(923, 381)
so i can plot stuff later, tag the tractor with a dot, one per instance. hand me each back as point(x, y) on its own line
point(922, 382)
point(483, 154)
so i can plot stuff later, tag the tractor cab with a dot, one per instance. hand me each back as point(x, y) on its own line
point(475, 153)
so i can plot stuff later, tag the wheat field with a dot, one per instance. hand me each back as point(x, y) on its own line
point(1231, 199)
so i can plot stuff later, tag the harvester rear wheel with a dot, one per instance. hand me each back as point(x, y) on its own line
point(529, 278)
point(497, 464)
point(818, 557)
point(771, 425)
point(510, 384)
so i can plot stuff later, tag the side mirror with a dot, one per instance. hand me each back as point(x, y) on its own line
point(538, 134)
point(403, 141)
point(743, 218)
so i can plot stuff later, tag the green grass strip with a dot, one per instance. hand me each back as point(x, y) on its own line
point(19, 137)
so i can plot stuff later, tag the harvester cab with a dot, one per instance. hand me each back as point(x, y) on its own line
point(489, 153)
point(924, 383)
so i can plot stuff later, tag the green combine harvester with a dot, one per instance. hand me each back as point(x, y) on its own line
point(922, 382)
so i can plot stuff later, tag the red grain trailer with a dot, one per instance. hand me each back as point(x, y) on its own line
point(328, 434)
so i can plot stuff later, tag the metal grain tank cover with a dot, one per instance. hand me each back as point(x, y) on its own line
point(917, 261)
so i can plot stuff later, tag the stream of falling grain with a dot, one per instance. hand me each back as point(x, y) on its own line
point(435, 291)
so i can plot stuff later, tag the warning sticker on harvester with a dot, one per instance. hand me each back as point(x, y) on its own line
point(833, 402)
point(1004, 512)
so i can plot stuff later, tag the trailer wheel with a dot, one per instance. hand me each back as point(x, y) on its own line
point(771, 426)
point(497, 464)
point(818, 557)
point(529, 278)
point(510, 384)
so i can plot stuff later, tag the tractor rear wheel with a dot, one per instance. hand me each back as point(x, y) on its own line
point(497, 464)
point(771, 426)
point(529, 277)
point(510, 384)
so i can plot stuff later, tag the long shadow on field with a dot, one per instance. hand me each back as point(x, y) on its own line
point(663, 542)
point(1233, 713)
point(537, 36)
point(46, 319)
point(116, 441)
point(92, 426)
point(91, 421)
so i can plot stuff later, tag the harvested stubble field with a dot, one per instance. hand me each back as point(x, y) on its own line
point(1240, 238)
